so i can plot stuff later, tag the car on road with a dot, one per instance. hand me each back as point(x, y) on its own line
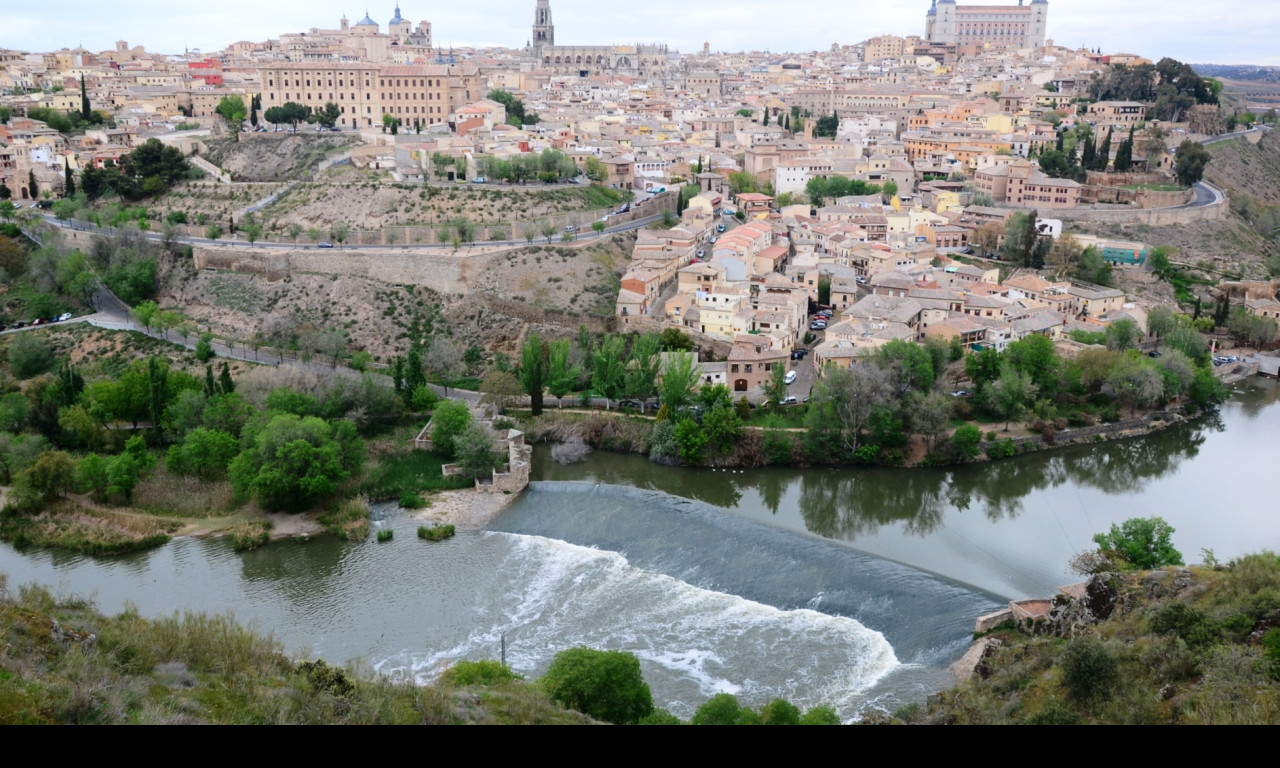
point(798, 354)
point(861, 280)
point(63, 317)
point(702, 253)
point(790, 377)
point(790, 400)
point(960, 393)
point(324, 244)
point(478, 180)
point(19, 324)
point(719, 227)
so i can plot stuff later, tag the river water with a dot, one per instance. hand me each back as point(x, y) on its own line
point(848, 587)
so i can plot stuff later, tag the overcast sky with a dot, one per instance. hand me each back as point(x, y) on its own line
point(1188, 30)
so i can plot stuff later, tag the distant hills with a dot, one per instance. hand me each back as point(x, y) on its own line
point(1239, 72)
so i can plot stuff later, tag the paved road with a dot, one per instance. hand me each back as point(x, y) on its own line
point(1206, 194)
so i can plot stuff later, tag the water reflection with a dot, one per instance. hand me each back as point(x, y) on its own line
point(853, 502)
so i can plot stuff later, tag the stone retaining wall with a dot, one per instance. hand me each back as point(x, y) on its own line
point(1151, 421)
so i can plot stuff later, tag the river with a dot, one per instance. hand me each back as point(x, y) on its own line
point(851, 586)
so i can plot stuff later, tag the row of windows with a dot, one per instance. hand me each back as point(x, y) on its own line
point(271, 83)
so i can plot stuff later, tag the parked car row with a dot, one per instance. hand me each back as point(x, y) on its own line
point(37, 321)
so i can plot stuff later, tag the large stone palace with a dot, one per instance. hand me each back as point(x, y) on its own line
point(642, 61)
point(1000, 26)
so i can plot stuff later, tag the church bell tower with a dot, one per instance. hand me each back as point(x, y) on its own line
point(544, 32)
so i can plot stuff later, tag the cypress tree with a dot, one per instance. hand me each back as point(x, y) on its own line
point(1104, 154)
point(225, 383)
point(85, 111)
point(32, 188)
point(1087, 155)
point(765, 121)
point(71, 184)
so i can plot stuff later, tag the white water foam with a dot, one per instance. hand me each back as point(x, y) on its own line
point(693, 643)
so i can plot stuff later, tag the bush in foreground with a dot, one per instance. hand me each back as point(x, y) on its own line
point(606, 685)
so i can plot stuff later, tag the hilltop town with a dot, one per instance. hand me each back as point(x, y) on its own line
point(977, 182)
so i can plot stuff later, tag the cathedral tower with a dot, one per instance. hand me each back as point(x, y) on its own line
point(544, 32)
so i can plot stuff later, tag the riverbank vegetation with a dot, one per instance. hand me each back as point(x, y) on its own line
point(903, 404)
point(1197, 645)
point(138, 439)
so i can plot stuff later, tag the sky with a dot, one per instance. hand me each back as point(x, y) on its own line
point(1188, 30)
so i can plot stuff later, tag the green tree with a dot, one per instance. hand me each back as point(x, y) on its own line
point(642, 368)
point(775, 387)
point(675, 340)
point(562, 376)
point(204, 348)
point(606, 685)
point(721, 709)
point(203, 452)
point(1144, 542)
point(533, 370)
point(474, 451)
point(233, 110)
point(327, 115)
point(1013, 393)
point(690, 440)
point(965, 441)
point(1190, 161)
point(123, 474)
point(52, 473)
point(679, 378)
point(450, 419)
point(722, 427)
point(595, 170)
point(608, 368)
point(293, 462)
point(290, 112)
point(1122, 334)
point(91, 476)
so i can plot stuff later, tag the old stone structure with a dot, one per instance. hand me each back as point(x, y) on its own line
point(999, 26)
point(643, 61)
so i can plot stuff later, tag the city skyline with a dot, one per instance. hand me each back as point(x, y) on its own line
point(1177, 30)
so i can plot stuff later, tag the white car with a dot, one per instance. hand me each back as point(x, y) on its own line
point(791, 376)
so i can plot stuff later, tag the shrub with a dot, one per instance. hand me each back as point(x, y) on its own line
point(411, 500)
point(1003, 449)
point(30, 355)
point(204, 348)
point(350, 520)
point(435, 532)
point(964, 443)
point(250, 535)
point(606, 685)
point(483, 672)
point(779, 712)
point(1089, 670)
point(721, 709)
point(820, 715)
